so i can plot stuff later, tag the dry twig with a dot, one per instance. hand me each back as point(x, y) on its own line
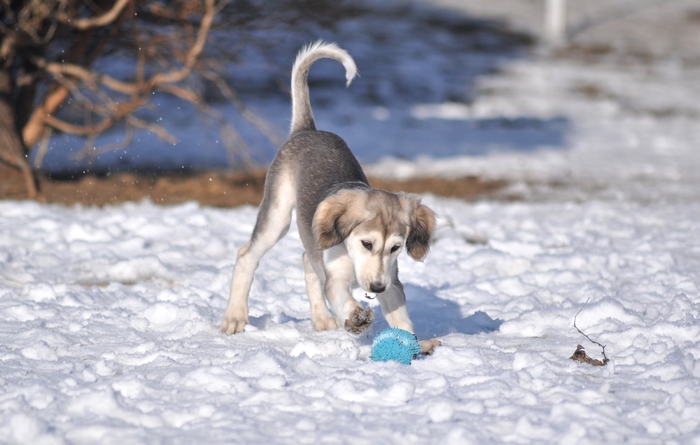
point(94, 22)
point(580, 354)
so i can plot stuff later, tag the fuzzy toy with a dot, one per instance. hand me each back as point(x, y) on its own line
point(395, 344)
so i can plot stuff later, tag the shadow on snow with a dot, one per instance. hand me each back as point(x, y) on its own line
point(409, 56)
point(434, 317)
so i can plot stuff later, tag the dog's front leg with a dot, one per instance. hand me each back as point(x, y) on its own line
point(340, 276)
point(349, 312)
point(393, 302)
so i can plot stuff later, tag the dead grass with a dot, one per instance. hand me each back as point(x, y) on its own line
point(214, 188)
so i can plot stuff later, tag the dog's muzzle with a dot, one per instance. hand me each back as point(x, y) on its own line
point(377, 289)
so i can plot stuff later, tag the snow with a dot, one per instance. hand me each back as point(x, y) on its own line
point(615, 145)
point(116, 339)
point(109, 317)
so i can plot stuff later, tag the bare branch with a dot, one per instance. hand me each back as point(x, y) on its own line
point(580, 354)
point(168, 66)
point(121, 145)
point(153, 128)
point(248, 115)
point(192, 97)
point(182, 93)
point(43, 148)
point(10, 160)
point(90, 78)
point(32, 17)
point(90, 151)
point(163, 12)
point(34, 128)
point(8, 43)
point(88, 148)
point(43, 115)
point(72, 87)
point(23, 167)
point(101, 20)
point(67, 127)
point(177, 75)
point(57, 94)
point(52, 28)
point(235, 147)
point(116, 113)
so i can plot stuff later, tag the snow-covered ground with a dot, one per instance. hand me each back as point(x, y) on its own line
point(617, 118)
point(109, 331)
point(109, 318)
point(629, 131)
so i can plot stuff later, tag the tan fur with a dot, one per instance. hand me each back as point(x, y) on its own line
point(421, 227)
point(337, 216)
point(377, 210)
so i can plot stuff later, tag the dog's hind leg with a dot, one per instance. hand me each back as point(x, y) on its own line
point(273, 221)
point(320, 315)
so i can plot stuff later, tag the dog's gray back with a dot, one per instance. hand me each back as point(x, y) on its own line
point(318, 162)
point(322, 164)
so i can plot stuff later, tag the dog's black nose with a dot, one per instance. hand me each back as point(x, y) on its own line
point(377, 289)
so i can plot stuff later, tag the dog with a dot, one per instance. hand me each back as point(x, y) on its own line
point(352, 233)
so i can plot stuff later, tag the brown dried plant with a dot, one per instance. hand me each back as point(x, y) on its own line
point(580, 353)
point(48, 82)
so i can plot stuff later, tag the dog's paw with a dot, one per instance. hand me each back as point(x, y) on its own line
point(427, 347)
point(325, 323)
point(360, 320)
point(233, 324)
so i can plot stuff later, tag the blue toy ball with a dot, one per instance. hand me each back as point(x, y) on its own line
point(395, 344)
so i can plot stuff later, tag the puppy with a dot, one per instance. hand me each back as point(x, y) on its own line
point(352, 233)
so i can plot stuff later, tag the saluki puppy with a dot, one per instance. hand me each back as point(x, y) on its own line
point(352, 233)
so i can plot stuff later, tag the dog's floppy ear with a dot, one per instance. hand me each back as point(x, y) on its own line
point(421, 225)
point(336, 216)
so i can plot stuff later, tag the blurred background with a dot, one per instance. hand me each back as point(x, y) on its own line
point(465, 98)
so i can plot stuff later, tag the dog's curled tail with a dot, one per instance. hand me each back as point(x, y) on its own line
point(302, 116)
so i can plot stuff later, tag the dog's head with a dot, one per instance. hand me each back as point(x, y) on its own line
point(374, 225)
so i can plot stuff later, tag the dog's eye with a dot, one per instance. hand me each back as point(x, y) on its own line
point(395, 248)
point(367, 245)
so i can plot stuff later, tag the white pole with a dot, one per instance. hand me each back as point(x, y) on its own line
point(555, 21)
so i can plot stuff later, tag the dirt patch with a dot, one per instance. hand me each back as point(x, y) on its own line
point(215, 188)
point(469, 188)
